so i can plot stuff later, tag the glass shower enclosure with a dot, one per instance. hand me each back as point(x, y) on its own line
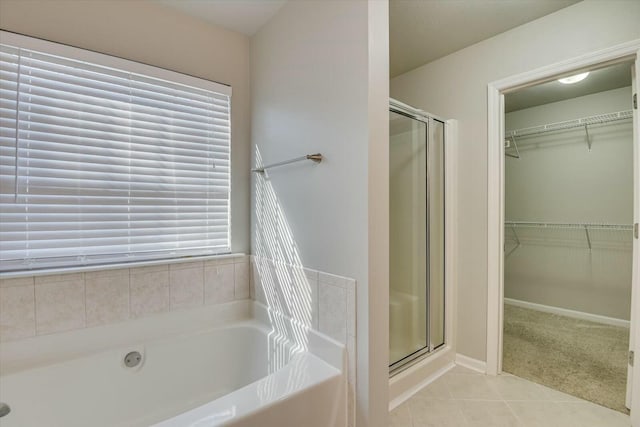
point(416, 228)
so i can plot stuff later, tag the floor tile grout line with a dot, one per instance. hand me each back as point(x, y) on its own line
point(35, 311)
point(464, 416)
point(515, 415)
point(485, 400)
point(446, 385)
point(410, 414)
point(509, 403)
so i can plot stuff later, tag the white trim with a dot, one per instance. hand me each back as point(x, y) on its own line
point(568, 313)
point(66, 51)
point(495, 183)
point(611, 54)
point(495, 231)
point(451, 230)
point(411, 391)
point(633, 381)
point(394, 103)
point(635, 264)
point(471, 363)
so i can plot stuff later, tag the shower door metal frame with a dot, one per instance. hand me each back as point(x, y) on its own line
point(428, 119)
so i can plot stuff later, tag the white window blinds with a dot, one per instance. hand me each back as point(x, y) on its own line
point(103, 165)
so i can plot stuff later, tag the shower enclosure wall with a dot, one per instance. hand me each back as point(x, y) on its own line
point(416, 290)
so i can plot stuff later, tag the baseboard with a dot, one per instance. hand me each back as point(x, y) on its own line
point(394, 403)
point(569, 313)
point(470, 363)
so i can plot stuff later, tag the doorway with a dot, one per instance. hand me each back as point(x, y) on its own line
point(569, 233)
point(496, 207)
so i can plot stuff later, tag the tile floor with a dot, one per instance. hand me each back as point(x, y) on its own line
point(465, 398)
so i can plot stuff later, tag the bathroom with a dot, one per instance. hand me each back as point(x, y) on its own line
point(307, 241)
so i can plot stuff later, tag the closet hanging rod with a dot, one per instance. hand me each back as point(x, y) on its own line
point(570, 124)
point(317, 157)
point(623, 227)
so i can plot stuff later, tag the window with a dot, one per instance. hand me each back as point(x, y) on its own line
point(105, 160)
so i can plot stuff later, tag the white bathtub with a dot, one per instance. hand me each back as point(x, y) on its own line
point(240, 372)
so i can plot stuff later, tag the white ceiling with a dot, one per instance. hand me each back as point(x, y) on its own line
point(608, 78)
point(422, 31)
point(242, 16)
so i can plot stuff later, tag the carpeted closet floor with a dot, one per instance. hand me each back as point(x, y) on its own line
point(584, 359)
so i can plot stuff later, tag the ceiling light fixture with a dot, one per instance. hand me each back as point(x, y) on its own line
point(574, 79)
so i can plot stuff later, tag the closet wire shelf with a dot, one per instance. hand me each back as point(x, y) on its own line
point(570, 124)
point(584, 122)
point(584, 230)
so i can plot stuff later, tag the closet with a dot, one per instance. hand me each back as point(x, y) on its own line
point(568, 235)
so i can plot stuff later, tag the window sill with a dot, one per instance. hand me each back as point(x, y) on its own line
point(115, 266)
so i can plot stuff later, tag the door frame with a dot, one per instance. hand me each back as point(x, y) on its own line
point(495, 195)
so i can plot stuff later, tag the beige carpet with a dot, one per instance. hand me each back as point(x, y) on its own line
point(584, 359)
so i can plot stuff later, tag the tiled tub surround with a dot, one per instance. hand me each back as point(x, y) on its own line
point(31, 306)
point(297, 303)
point(211, 365)
point(314, 300)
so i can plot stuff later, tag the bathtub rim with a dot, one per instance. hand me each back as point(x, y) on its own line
point(246, 399)
point(43, 350)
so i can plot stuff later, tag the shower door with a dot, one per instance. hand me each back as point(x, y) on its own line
point(416, 228)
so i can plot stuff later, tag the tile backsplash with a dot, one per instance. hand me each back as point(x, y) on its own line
point(317, 300)
point(40, 305)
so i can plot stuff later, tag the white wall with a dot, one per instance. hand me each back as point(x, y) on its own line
point(456, 87)
point(153, 34)
point(557, 179)
point(319, 84)
point(305, 100)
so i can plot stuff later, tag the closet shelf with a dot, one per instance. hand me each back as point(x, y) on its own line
point(586, 228)
point(570, 124)
point(592, 226)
